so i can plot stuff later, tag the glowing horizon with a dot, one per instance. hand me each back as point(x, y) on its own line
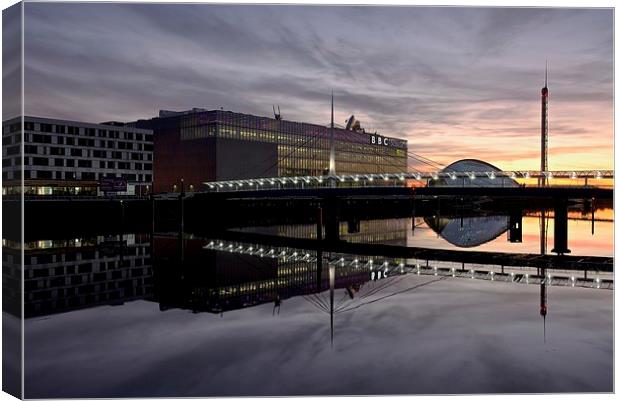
point(456, 82)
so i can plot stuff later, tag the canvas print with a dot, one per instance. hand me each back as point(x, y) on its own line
point(212, 200)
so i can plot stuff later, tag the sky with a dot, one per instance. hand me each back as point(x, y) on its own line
point(455, 82)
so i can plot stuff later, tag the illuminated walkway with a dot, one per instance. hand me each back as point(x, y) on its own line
point(401, 179)
point(382, 267)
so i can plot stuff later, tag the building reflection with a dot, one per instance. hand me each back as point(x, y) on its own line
point(213, 281)
point(374, 231)
point(470, 231)
point(70, 274)
point(12, 277)
point(184, 272)
point(475, 230)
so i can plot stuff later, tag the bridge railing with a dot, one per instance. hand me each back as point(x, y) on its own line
point(403, 179)
point(382, 267)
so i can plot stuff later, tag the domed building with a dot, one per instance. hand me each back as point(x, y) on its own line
point(473, 166)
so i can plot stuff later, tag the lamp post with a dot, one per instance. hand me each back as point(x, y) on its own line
point(181, 196)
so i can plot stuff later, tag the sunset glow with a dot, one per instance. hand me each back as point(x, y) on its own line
point(456, 82)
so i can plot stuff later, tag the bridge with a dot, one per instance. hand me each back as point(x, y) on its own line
point(408, 184)
point(264, 245)
point(403, 192)
point(399, 179)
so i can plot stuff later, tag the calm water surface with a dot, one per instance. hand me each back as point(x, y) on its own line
point(450, 336)
point(479, 233)
point(141, 316)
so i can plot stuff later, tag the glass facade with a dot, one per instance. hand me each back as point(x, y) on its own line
point(474, 166)
point(302, 148)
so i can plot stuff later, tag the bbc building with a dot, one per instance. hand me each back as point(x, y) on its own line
point(70, 158)
point(200, 145)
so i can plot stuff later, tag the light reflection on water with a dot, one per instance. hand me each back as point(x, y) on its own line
point(190, 321)
point(581, 241)
point(489, 233)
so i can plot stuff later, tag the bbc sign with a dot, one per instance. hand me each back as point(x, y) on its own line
point(379, 140)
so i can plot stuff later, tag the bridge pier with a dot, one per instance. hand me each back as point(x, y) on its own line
point(353, 226)
point(515, 227)
point(560, 226)
point(319, 224)
point(319, 252)
point(413, 217)
point(592, 211)
point(332, 219)
point(181, 208)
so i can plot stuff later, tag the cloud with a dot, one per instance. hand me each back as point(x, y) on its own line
point(411, 72)
point(11, 62)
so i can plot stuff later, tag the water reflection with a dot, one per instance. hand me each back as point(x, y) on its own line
point(578, 231)
point(290, 311)
point(467, 232)
point(216, 276)
point(185, 315)
point(64, 275)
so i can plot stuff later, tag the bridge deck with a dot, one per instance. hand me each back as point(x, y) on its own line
point(402, 191)
point(525, 192)
point(568, 262)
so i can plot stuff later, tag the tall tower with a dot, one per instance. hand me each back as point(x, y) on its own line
point(544, 130)
point(332, 144)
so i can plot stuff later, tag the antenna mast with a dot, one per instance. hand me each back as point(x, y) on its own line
point(278, 115)
point(332, 147)
point(544, 131)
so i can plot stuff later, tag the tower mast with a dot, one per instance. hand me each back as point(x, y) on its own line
point(332, 146)
point(544, 131)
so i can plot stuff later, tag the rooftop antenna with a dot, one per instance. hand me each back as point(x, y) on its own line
point(277, 115)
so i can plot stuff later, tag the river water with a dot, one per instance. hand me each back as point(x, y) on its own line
point(153, 315)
